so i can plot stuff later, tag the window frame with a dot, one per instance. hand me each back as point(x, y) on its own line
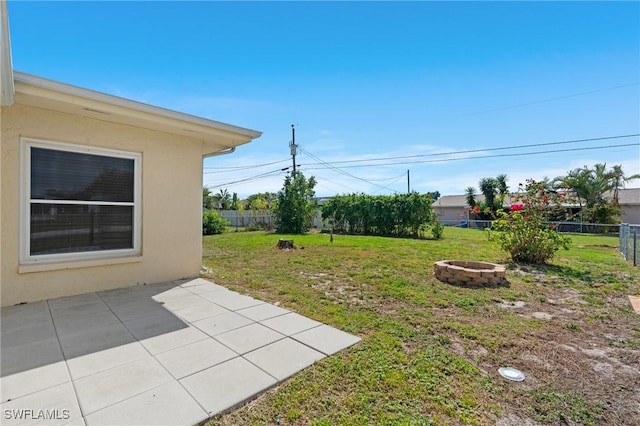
point(26, 258)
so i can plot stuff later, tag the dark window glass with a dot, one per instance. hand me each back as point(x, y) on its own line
point(64, 175)
point(64, 228)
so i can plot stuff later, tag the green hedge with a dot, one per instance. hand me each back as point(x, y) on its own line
point(398, 215)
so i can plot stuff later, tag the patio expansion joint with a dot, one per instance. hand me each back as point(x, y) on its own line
point(66, 364)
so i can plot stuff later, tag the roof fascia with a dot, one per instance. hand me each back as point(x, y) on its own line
point(7, 89)
point(109, 104)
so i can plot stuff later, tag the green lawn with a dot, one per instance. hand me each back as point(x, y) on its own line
point(430, 351)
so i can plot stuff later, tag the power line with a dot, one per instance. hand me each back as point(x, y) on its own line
point(250, 179)
point(518, 154)
point(342, 171)
point(226, 169)
point(470, 151)
point(540, 101)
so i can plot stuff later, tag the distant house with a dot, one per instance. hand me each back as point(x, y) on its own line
point(452, 209)
point(97, 191)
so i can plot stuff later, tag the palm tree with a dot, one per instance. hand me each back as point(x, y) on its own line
point(207, 198)
point(503, 188)
point(618, 179)
point(470, 196)
point(223, 198)
point(488, 187)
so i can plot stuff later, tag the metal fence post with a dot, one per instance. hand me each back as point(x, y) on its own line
point(635, 247)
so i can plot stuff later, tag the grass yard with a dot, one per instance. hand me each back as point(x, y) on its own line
point(430, 351)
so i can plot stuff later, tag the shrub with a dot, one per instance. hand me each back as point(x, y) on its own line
point(525, 232)
point(213, 223)
point(437, 229)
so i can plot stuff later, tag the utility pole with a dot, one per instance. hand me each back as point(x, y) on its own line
point(293, 146)
point(408, 183)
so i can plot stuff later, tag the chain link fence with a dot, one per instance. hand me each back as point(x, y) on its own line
point(575, 227)
point(629, 242)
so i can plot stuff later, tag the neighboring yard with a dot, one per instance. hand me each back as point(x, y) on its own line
point(430, 351)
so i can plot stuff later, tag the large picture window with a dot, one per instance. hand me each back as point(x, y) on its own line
point(80, 202)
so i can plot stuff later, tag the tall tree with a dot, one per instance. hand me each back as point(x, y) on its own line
point(618, 180)
point(295, 206)
point(592, 187)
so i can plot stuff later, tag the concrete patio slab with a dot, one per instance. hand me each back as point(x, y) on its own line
point(32, 355)
point(96, 362)
point(159, 323)
point(248, 338)
point(291, 323)
point(30, 381)
point(222, 323)
point(26, 411)
point(95, 340)
point(108, 387)
point(231, 300)
point(242, 380)
point(30, 313)
point(327, 340)
point(262, 312)
point(173, 353)
point(73, 324)
point(29, 333)
point(169, 404)
point(173, 339)
point(194, 357)
point(200, 311)
point(203, 288)
point(62, 310)
point(284, 358)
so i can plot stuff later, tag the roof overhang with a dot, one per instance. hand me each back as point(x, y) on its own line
point(6, 69)
point(52, 95)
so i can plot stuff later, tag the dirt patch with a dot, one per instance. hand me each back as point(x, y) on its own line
point(339, 290)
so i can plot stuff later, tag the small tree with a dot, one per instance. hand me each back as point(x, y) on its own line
point(525, 232)
point(294, 207)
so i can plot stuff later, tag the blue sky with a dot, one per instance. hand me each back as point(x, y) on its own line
point(363, 80)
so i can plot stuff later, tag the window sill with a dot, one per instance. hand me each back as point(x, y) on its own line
point(42, 267)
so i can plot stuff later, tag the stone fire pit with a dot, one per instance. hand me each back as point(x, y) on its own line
point(469, 273)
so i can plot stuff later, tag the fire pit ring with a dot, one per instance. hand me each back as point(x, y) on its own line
point(461, 272)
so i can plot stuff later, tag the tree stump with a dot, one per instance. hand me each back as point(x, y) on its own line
point(285, 244)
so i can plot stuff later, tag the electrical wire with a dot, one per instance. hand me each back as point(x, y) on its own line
point(249, 179)
point(226, 169)
point(518, 154)
point(540, 101)
point(470, 151)
point(318, 160)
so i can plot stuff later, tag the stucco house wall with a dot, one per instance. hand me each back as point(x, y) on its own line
point(97, 191)
point(171, 194)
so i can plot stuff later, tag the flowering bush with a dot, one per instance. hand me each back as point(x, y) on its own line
point(524, 232)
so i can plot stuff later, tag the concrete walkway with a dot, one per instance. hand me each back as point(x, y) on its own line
point(175, 353)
